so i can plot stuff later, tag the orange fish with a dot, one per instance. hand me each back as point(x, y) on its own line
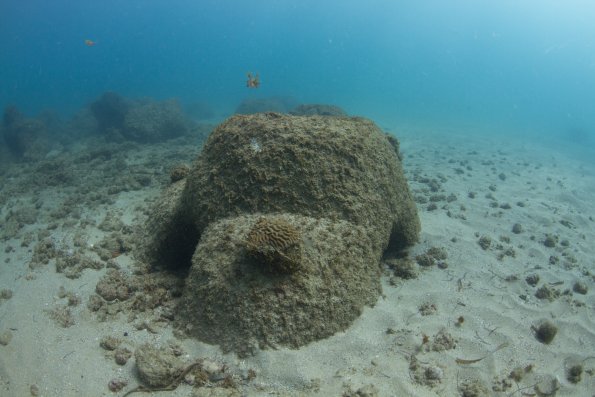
point(253, 81)
point(90, 43)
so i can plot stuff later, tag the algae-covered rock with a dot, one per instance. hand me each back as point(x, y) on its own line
point(236, 300)
point(331, 167)
point(283, 221)
point(157, 367)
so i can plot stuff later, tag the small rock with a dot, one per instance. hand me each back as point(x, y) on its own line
point(109, 343)
point(34, 390)
point(546, 292)
point(122, 355)
point(425, 260)
point(434, 373)
point(545, 332)
point(443, 341)
point(574, 373)
point(5, 294)
point(437, 253)
point(532, 279)
point(517, 228)
point(484, 242)
point(550, 241)
point(116, 385)
point(156, 367)
point(580, 288)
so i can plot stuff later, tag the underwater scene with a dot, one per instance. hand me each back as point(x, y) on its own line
point(219, 198)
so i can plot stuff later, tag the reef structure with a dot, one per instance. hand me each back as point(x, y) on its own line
point(283, 221)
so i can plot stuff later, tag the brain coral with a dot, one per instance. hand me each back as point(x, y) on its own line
point(276, 242)
point(290, 216)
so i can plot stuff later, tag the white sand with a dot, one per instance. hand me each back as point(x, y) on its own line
point(552, 186)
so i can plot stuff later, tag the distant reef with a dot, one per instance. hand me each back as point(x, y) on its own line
point(24, 137)
point(143, 120)
point(111, 118)
point(287, 105)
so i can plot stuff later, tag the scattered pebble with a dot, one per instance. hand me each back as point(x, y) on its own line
point(109, 343)
point(517, 228)
point(547, 292)
point(484, 242)
point(427, 309)
point(580, 288)
point(122, 355)
point(425, 260)
point(116, 384)
point(34, 390)
point(443, 341)
point(5, 293)
point(532, 279)
point(434, 373)
point(550, 241)
point(545, 332)
point(574, 373)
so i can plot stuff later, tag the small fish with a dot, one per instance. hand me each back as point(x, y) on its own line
point(90, 43)
point(253, 81)
point(463, 361)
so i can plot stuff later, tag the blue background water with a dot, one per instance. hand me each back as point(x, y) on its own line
point(523, 65)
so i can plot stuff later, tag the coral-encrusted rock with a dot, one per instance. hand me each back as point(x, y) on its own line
point(113, 285)
point(235, 300)
point(291, 216)
point(157, 367)
point(332, 167)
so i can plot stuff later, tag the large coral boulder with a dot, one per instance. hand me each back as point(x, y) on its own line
point(331, 167)
point(291, 216)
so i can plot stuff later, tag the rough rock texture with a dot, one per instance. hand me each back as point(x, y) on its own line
point(239, 302)
point(157, 367)
point(330, 167)
point(291, 215)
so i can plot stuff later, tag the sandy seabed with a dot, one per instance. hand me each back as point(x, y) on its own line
point(506, 255)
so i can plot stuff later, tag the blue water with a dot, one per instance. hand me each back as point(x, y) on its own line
point(522, 65)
